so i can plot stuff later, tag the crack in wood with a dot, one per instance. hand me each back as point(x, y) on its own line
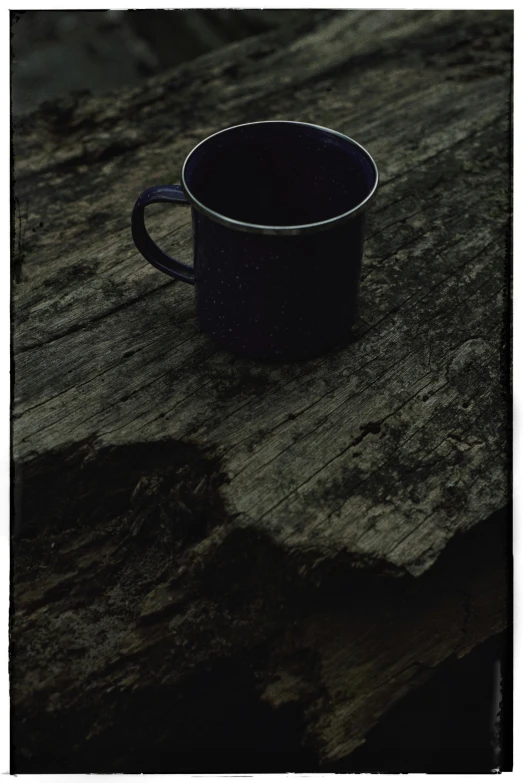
point(273, 581)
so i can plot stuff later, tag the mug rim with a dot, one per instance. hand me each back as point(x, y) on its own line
point(306, 228)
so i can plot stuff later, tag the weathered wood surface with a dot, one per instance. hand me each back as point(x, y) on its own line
point(146, 626)
point(376, 455)
point(361, 449)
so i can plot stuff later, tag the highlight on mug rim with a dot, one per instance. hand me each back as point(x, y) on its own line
point(305, 228)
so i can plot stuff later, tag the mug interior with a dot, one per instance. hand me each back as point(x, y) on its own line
point(279, 174)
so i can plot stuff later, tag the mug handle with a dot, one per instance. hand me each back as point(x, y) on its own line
point(144, 243)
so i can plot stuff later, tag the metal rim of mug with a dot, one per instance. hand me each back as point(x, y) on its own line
point(307, 228)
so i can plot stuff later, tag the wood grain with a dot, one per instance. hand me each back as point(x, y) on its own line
point(374, 456)
point(106, 346)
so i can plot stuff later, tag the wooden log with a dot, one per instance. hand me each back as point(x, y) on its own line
point(146, 624)
point(174, 503)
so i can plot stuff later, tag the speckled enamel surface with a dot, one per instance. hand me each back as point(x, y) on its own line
point(276, 297)
point(278, 245)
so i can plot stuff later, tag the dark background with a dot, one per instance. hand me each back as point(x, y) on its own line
point(451, 724)
point(56, 52)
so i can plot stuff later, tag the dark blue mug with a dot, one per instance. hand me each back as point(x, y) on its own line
point(278, 214)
